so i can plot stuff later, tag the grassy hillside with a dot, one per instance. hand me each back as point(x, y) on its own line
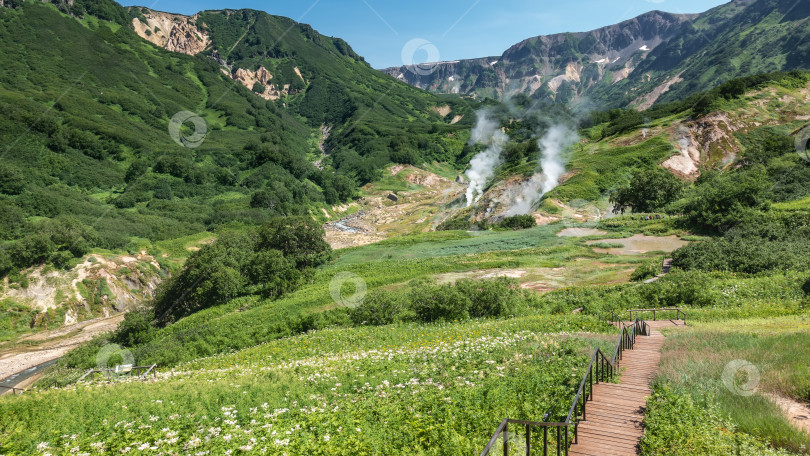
point(419, 344)
point(375, 119)
point(90, 162)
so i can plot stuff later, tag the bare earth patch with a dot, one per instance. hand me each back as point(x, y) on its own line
point(797, 413)
point(55, 344)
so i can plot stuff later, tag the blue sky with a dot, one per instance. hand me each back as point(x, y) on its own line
point(458, 29)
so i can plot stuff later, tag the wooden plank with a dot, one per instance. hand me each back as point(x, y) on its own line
point(614, 416)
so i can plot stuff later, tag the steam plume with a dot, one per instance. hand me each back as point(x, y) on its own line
point(482, 167)
point(552, 145)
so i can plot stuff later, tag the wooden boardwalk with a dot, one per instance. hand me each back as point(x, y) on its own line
point(613, 419)
point(654, 325)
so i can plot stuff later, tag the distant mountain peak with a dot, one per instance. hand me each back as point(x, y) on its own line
point(637, 61)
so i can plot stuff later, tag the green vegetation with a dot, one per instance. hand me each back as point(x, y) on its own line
point(427, 302)
point(87, 143)
point(773, 346)
point(678, 424)
point(377, 120)
point(518, 222)
point(337, 391)
point(650, 190)
point(255, 349)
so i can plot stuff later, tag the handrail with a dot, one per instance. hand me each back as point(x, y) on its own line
point(604, 369)
point(14, 389)
point(680, 314)
point(152, 369)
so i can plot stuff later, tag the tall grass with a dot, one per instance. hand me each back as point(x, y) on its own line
point(694, 360)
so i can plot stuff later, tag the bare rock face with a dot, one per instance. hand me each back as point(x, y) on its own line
point(543, 62)
point(250, 78)
point(174, 32)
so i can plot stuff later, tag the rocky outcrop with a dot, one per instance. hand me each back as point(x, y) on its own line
point(174, 32)
point(261, 76)
point(576, 60)
point(99, 286)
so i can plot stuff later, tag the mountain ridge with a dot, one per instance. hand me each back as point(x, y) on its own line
point(636, 62)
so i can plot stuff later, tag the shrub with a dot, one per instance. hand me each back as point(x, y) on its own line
point(5, 263)
point(518, 222)
point(493, 298)
point(646, 270)
point(273, 273)
point(301, 239)
point(720, 201)
point(650, 190)
point(380, 308)
point(137, 328)
point(461, 224)
point(432, 302)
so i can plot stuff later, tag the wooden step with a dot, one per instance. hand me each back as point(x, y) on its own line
point(615, 413)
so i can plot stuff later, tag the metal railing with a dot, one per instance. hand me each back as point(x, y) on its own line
point(679, 313)
point(13, 389)
point(127, 370)
point(600, 369)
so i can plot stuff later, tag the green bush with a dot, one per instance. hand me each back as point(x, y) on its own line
point(499, 297)
point(646, 270)
point(518, 222)
point(137, 328)
point(455, 224)
point(381, 308)
point(431, 302)
point(649, 190)
point(300, 239)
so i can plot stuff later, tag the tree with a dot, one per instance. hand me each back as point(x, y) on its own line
point(5, 263)
point(720, 201)
point(211, 276)
point(273, 273)
point(301, 239)
point(649, 190)
point(31, 250)
point(11, 180)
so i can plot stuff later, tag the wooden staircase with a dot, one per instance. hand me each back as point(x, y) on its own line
point(613, 422)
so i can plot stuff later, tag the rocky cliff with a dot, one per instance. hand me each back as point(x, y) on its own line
point(175, 32)
point(554, 66)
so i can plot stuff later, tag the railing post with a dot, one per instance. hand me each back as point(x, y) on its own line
point(506, 439)
point(545, 440)
point(566, 440)
point(559, 441)
point(528, 440)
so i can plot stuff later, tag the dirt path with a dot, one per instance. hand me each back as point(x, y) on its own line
point(797, 413)
point(52, 344)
